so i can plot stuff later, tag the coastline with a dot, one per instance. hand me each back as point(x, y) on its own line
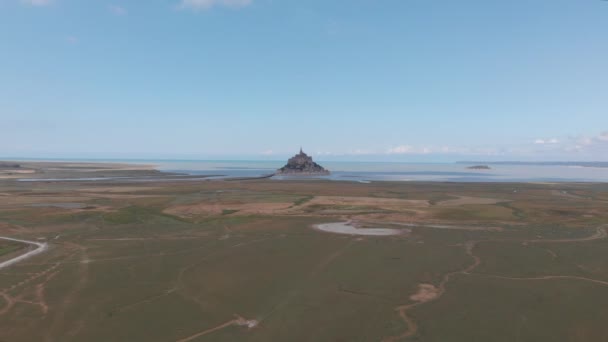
point(85, 170)
point(58, 170)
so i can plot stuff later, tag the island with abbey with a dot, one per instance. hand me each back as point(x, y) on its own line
point(302, 164)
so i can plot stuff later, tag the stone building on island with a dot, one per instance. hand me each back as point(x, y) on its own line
point(302, 164)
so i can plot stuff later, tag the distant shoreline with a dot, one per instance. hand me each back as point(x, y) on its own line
point(153, 162)
point(551, 163)
point(125, 172)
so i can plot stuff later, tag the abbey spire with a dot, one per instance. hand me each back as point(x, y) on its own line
point(302, 164)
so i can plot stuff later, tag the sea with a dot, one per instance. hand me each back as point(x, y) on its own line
point(364, 172)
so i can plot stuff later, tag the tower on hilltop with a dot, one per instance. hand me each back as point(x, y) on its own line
point(302, 164)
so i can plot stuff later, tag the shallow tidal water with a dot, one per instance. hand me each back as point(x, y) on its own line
point(361, 172)
point(384, 171)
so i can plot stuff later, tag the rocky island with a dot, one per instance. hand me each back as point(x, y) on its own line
point(479, 167)
point(302, 164)
point(4, 165)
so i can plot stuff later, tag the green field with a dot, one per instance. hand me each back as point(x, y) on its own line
point(196, 261)
point(7, 248)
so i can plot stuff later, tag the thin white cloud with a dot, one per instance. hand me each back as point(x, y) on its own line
point(208, 4)
point(268, 152)
point(556, 148)
point(402, 149)
point(37, 2)
point(361, 152)
point(409, 149)
point(593, 146)
point(546, 141)
point(601, 140)
point(117, 10)
point(452, 150)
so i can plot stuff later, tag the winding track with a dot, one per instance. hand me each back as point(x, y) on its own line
point(238, 321)
point(41, 247)
point(412, 327)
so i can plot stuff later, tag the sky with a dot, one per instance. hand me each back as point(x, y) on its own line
point(377, 80)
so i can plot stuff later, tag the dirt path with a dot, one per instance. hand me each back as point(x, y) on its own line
point(69, 298)
point(33, 277)
point(568, 194)
point(321, 266)
point(10, 301)
point(238, 321)
point(445, 226)
point(600, 233)
point(468, 200)
point(552, 277)
point(428, 293)
point(40, 247)
point(38, 293)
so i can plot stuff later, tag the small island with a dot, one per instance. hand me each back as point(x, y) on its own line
point(4, 165)
point(479, 167)
point(302, 164)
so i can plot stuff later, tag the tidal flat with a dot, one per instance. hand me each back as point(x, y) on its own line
point(243, 260)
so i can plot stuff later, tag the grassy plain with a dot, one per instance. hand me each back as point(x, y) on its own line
point(239, 260)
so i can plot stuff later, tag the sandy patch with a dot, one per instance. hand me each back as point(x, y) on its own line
point(426, 292)
point(19, 171)
point(464, 200)
point(58, 205)
point(413, 216)
point(28, 200)
point(445, 226)
point(249, 323)
point(420, 221)
point(118, 196)
point(9, 174)
point(114, 189)
point(218, 208)
point(368, 201)
point(394, 204)
point(7, 228)
point(566, 194)
point(348, 228)
point(74, 207)
point(90, 167)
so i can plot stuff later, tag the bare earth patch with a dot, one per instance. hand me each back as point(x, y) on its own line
point(426, 292)
point(423, 222)
point(464, 200)
point(267, 208)
point(368, 201)
point(114, 189)
point(349, 229)
point(444, 226)
point(112, 195)
point(28, 200)
point(566, 194)
point(218, 208)
point(8, 174)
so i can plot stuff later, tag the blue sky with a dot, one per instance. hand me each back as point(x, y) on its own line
point(414, 80)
